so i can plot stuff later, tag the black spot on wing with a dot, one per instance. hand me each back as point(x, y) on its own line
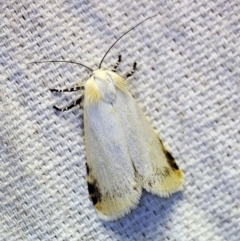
point(94, 192)
point(87, 168)
point(170, 159)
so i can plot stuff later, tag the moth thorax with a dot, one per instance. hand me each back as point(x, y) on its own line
point(104, 83)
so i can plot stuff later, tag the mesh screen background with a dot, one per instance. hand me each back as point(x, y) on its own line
point(187, 83)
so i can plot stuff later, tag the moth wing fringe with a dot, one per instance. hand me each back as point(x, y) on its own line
point(118, 208)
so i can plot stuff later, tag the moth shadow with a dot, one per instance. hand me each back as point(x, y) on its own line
point(150, 219)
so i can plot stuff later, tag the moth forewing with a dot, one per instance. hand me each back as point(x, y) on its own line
point(112, 183)
point(154, 165)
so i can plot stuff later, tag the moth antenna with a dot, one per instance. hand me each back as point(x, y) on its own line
point(61, 61)
point(123, 36)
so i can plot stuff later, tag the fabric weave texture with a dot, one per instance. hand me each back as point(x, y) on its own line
point(187, 82)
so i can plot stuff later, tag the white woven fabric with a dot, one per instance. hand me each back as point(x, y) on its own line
point(187, 82)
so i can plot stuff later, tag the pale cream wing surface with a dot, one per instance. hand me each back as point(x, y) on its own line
point(156, 168)
point(112, 183)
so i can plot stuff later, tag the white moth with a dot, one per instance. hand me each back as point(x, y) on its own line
point(124, 154)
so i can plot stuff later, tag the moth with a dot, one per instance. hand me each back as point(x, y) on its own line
point(124, 154)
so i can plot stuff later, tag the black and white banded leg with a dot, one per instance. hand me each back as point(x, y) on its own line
point(77, 102)
point(132, 71)
point(118, 62)
point(75, 88)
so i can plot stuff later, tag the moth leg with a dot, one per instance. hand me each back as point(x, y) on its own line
point(77, 102)
point(132, 71)
point(118, 62)
point(75, 88)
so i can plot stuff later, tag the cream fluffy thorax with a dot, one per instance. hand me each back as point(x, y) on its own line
point(102, 85)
